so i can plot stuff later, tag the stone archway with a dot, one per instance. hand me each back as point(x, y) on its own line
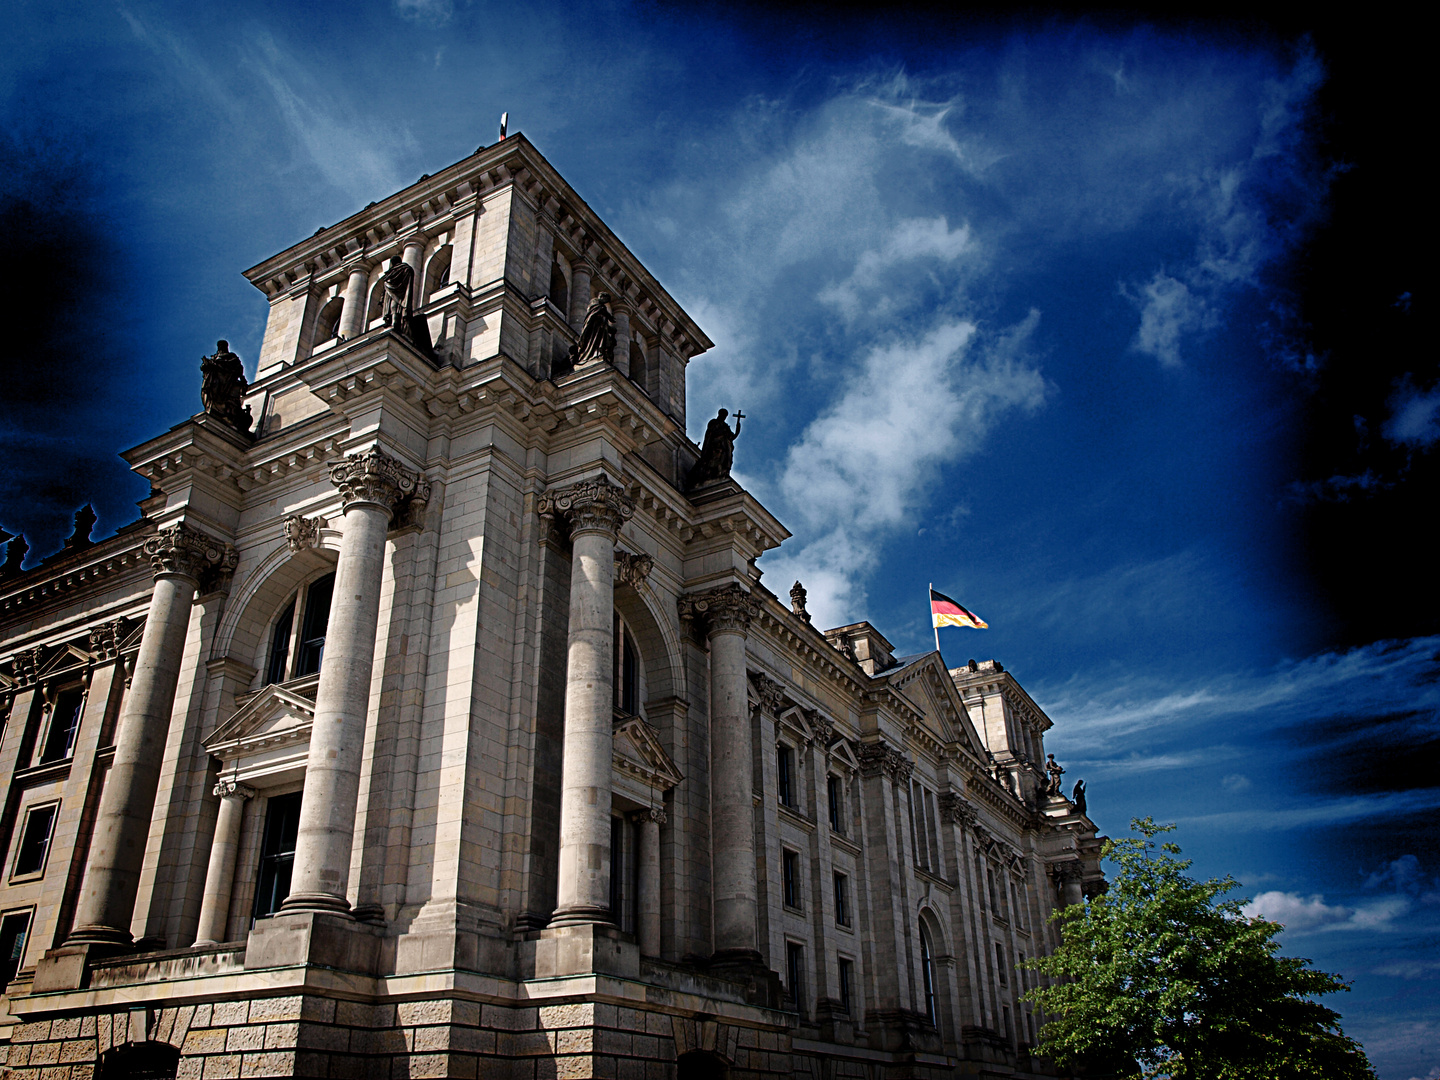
point(139, 1061)
point(700, 1065)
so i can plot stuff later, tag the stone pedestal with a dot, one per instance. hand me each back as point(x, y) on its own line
point(583, 949)
point(312, 937)
point(372, 484)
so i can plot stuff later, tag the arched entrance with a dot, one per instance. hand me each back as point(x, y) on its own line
point(700, 1065)
point(139, 1061)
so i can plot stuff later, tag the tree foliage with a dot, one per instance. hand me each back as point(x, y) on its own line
point(1160, 977)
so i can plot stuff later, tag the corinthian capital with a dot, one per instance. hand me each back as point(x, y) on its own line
point(230, 789)
point(188, 552)
point(726, 609)
point(589, 506)
point(373, 476)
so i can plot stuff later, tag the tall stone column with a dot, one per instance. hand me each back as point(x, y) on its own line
point(595, 509)
point(727, 612)
point(352, 314)
point(580, 273)
point(372, 484)
point(648, 908)
point(181, 557)
point(220, 875)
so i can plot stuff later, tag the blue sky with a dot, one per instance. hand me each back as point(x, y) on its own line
point(1052, 312)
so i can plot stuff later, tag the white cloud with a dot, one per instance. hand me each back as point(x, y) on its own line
point(1168, 311)
point(911, 239)
point(1414, 415)
point(1235, 782)
point(867, 462)
point(1304, 914)
point(434, 12)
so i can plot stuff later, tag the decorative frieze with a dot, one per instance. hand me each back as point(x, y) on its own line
point(726, 609)
point(589, 506)
point(373, 476)
point(188, 552)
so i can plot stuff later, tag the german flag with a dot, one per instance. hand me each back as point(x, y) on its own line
point(946, 612)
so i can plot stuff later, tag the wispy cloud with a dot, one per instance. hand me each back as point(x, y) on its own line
point(1414, 415)
point(1305, 914)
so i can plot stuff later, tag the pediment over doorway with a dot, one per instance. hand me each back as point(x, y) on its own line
point(638, 754)
point(268, 735)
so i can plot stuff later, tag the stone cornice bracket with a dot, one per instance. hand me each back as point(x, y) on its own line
point(373, 476)
point(187, 552)
point(728, 609)
point(632, 569)
point(878, 757)
point(105, 639)
point(302, 533)
point(589, 506)
point(955, 810)
point(229, 788)
point(772, 693)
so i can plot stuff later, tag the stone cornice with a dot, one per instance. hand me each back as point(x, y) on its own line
point(45, 586)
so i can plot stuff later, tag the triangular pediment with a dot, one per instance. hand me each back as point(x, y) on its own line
point(638, 752)
point(273, 716)
point(927, 683)
point(841, 754)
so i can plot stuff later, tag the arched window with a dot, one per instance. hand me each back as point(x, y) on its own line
point(627, 670)
point(328, 320)
point(927, 970)
point(559, 287)
point(638, 372)
point(297, 641)
point(376, 307)
point(437, 273)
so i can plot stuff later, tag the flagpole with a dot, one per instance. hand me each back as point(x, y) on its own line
point(929, 603)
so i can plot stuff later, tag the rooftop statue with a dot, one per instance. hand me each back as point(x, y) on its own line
point(223, 386)
point(717, 454)
point(1078, 796)
point(597, 336)
point(399, 281)
point(1053, 768)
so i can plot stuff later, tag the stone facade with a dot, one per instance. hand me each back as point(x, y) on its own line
point(435, 729)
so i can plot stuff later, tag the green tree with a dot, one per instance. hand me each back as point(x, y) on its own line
point(1160, 977)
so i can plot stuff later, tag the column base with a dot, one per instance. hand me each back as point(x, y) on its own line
point(103, 936)
point(584, 949)
point(68, 967)
point(747, 967)
point(316, 904)
point(310, 937)
point(582, 915)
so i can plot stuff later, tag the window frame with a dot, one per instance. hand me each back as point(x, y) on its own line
point(795, 973)
point(835, 795)
point(790, 891)
point(72, 733)
point(927, 970)
point(16, 874)
point(22, 941)
point(293, 620)
point(785, 775)
point(843, 916)
point(845, 976)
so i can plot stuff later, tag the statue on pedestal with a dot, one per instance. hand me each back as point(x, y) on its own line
point(223, 386)
point(1078, 796)
point(597, 335)
point(398, 282)
point(1053, 768)
point(717, 453)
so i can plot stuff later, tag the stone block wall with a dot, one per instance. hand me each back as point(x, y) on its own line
point(311, 1036)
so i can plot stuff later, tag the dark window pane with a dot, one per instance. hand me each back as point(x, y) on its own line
point(630, 676)
point(14, 929)
point(790, 873)
point(786, 766)
point(842, 900)
point(837, 816)
point(277, 853)
point(795, 973)
point(35, 842)
point(64, 725)
point(845, 977)
point(312, 630)
point(280, 644)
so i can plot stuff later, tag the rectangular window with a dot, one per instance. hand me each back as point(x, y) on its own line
point(314, 625)
point(14, 930)
point(790, 877)
point(994, 896)
point(787, 776)
point(834, 793)
point(280, 645)
point(931, 831)
point(847, 974)
point(795, 973)
point(64, 724)
point(1022, 974)
point(35, 839)
point(1000, 964)
point(917, 828)
point(1009, 1027)
point(842, 900)
point(277, 853)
